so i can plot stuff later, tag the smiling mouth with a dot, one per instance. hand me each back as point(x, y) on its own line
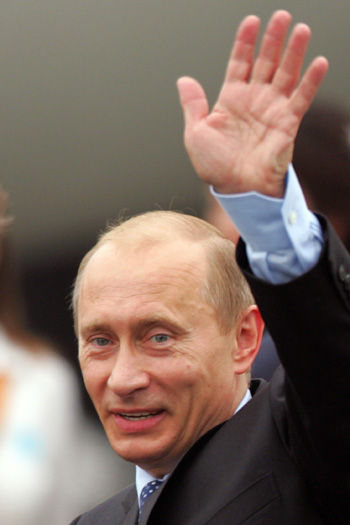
point(139, 416)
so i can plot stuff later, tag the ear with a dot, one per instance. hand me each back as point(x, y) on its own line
point(249, 333)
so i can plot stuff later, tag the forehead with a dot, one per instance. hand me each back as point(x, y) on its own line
point(177, 268)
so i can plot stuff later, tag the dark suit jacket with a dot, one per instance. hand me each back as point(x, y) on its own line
point(284, 458)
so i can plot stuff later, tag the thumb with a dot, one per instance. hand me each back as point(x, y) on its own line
point(193, 101)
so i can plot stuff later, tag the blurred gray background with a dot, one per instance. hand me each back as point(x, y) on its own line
point(90, 120)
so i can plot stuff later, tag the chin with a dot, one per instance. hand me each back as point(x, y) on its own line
point(147, 456)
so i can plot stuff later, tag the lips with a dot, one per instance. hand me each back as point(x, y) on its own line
point(138, 421)
point(138, 416)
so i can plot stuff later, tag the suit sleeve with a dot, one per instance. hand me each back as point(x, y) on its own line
point(309, 320)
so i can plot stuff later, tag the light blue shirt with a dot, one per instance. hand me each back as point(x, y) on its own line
point(284, 239)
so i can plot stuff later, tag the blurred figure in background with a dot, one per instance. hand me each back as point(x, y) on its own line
point(47, 448)
point(322, 160)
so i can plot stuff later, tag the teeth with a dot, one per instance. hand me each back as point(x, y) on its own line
point(134, 417)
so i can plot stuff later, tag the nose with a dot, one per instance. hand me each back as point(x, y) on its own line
point(128, 373)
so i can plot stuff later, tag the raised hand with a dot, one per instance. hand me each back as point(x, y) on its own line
point(246, 142)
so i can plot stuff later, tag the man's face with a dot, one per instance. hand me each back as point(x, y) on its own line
point(155, 362)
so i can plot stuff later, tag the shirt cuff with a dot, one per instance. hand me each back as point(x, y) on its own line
point(276, 230)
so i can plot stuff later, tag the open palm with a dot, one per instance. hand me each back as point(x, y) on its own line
point(246, 142)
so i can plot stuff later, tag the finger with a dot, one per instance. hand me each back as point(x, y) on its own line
point(271, 47)
point(193, 100)
point(288, 74)
point(242, 55)
point(303, 96)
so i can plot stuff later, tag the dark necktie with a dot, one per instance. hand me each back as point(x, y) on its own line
point(148, 490)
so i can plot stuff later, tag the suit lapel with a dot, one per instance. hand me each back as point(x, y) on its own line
point(131, 509)
point(209, 477)
point(131, 515)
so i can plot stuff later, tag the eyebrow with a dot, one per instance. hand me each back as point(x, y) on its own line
point(139, 325)
point(94, 327)
point(156, 320)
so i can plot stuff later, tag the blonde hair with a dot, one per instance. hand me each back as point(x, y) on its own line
point(225, 287)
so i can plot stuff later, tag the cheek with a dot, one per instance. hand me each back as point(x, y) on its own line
point(177, 378)
point(211, 377)
point(191, 379)
point(95, 376)
point(199, 394)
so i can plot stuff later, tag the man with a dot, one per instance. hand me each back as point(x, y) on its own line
point(166, 345)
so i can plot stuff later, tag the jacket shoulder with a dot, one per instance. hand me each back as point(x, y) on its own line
point(113, 510)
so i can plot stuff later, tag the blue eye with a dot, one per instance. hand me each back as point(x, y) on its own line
point(161, 338)
point(101, 341)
